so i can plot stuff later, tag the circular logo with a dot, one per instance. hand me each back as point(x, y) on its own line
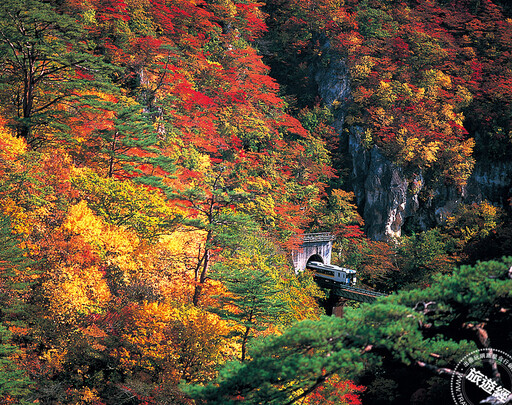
point(483, 377)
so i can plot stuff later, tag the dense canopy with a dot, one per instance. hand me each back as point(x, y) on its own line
point(160, 160)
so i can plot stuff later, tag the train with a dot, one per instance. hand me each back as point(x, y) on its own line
point(333, 274)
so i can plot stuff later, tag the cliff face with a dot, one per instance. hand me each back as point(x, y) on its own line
point(386, 198)
point(381, 189)
point(334, 87)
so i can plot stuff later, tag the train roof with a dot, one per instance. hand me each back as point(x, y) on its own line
point(332, 267)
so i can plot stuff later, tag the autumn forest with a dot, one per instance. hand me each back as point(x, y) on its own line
point(161, 159)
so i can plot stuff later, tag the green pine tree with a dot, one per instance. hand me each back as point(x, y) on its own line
point(283, 368)
point(254, 301)
point(13, 381)
point(132, 148)
point(422, 333)
point(14, 269)
point(44, 62)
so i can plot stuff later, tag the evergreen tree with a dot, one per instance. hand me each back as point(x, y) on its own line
point(284, 368)
point(130, 147)
point(13, 381)
point(44, 61)
point(421, 332)
point(14, 274)
point(253, 301)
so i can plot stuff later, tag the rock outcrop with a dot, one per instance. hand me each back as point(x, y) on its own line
point(381, 189)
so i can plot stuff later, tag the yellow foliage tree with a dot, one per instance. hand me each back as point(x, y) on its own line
point(169, 344)
point(74, 292)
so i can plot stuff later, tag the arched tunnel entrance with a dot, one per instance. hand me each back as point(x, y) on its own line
point(315, 258)
point(314, 247)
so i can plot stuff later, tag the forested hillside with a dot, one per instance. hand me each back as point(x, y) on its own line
point(160, 160)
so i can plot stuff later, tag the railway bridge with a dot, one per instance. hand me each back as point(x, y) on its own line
point(317, 247)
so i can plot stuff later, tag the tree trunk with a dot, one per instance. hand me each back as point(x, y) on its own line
point(209, 237)
point(202, 278)
point(111, 160)
point(245, 338)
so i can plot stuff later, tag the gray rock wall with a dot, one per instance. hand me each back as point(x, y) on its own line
point(334, 88)
point(381, 189)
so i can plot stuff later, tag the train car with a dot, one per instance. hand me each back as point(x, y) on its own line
point(333, 274)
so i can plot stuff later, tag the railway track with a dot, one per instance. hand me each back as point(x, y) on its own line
point(351, 293)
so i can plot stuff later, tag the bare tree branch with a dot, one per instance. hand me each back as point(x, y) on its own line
point(439, 370)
